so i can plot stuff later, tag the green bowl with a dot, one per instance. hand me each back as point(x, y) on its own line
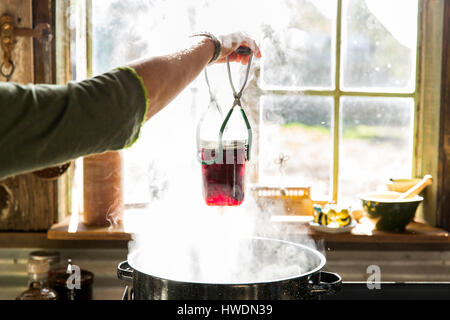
point(388, 212)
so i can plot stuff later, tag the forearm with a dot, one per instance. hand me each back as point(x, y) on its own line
point(166, 76)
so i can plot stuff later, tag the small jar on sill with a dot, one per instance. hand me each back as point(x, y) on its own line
point(103, 189)
point(39, 289)
point(52, 257)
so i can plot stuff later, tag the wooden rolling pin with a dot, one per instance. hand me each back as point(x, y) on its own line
point(415, 190)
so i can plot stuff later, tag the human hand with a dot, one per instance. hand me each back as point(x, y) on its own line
point(231, 42)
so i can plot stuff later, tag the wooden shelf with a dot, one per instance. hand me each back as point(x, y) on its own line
point(364, 232)
point(39, 240)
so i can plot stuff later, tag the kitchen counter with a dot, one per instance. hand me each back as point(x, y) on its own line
point(102, 262)
point(413, 260)
point(400, 266)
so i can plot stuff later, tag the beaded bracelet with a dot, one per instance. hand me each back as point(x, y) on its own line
point(217, 45)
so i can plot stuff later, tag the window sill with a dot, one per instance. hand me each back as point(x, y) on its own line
point(363, 233)
point(40, 240)
point(416, 232)
point(68, 230)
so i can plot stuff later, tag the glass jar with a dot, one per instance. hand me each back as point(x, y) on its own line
point(224, 179)
point(52, 257)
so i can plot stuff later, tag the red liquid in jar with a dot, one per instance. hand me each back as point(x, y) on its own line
point(223, 183)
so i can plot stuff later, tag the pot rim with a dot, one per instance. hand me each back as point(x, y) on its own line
point(315, 252)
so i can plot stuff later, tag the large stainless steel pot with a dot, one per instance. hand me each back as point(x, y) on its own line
point(308, 285)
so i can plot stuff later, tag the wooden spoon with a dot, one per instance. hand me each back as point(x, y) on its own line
point(415, 190)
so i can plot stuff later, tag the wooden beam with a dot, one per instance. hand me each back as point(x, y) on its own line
point(28, 203)
point(44, 51)
point(428, 113)
point(443, 201)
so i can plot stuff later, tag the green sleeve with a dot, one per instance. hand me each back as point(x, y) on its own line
point(46, 125)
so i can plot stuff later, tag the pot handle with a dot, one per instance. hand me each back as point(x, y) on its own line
point(125, 272)
point(325, 283)
point(128, 294)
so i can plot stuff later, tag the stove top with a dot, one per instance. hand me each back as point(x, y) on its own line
point(393, 291)
point(386, 291)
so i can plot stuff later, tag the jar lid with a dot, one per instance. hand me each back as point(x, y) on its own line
point(226, 144)
point(53, 257)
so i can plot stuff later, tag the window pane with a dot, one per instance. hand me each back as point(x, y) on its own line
point(376, 143)
point(115, 33)
point(299, 128)
point(379, 44)
point(299, 53)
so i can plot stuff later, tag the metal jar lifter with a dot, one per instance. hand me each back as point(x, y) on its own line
point(223, 161)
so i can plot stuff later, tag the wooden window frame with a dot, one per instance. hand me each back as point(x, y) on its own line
point(443, 181)
point(433, 110)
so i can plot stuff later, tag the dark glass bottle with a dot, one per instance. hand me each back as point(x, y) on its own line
point(71, 292)
point(38, 289)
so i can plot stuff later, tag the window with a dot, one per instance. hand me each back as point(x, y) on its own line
point(339, 94)
point(336, 92)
